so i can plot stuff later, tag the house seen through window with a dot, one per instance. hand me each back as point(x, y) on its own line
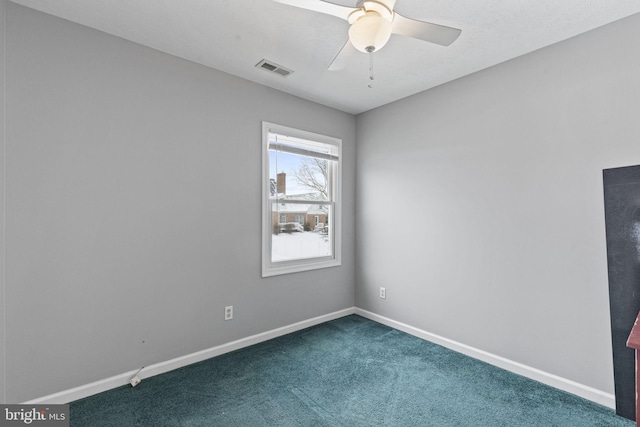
point(301, 203)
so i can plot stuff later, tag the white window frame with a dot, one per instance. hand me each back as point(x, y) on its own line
point(270, 268)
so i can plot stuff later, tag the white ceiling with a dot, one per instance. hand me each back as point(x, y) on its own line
point(234, 35)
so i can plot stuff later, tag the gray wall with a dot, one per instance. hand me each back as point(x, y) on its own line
point(486, 200)
point(2, 183)
point(133, 207)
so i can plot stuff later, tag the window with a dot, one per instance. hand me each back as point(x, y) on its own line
point(300, 200)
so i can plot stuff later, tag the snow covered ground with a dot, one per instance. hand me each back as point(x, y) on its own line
point(288, 246)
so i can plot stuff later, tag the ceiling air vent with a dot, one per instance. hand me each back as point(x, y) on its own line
point(273, 68)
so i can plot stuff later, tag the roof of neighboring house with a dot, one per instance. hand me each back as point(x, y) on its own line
point(303, 208)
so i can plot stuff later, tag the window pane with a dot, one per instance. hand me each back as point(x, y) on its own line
point(296, 176)
point(292, 240)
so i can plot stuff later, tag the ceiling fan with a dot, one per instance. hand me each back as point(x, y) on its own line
point(372, 23)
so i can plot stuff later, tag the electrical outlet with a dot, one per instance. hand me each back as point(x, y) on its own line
point(228, 312)
point(383, 293)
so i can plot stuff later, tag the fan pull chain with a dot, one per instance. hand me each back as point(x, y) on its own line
point(370, 50)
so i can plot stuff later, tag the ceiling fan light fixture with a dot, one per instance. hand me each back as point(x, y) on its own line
point(370, 32)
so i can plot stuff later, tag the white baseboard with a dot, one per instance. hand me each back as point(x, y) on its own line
point(589, 393)
point(96, 387)
point(564, 384)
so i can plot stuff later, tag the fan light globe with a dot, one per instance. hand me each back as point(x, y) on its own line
point(370, 32)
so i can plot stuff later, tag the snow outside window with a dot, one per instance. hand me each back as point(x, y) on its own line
point(300, 200)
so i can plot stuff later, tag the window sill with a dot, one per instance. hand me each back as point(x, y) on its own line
point(298, 266)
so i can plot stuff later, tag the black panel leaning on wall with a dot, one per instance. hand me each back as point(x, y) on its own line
point(622, 218)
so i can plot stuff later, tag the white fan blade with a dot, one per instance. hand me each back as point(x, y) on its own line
point(341, 59)
point(321, 6)
point(433, 33)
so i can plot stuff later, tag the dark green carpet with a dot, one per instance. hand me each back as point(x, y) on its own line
point(347, 372)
